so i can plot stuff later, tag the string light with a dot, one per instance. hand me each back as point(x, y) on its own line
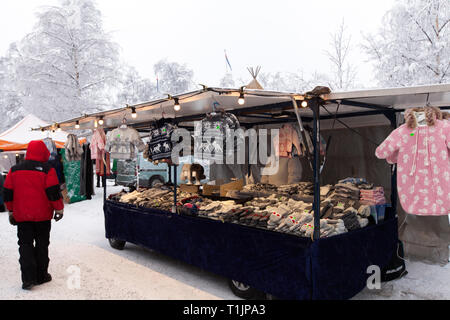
point(96, 124)
point(133, 113)
point(177, 106)
point(101, 121)
point(77, 125)
point(58, 128)
point(241, 100)
point(305, 104)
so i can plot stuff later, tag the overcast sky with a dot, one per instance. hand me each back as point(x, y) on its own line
point(279, 35)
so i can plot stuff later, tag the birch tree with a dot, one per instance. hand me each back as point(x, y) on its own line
point(134, 88)
point(68, 64)
point(413, 45)
point(344, 72)
point(174, 78)
point(11, 106)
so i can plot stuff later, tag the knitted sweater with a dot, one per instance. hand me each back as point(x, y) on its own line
point(121, 143)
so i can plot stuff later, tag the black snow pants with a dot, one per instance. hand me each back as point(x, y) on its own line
point(34, 239)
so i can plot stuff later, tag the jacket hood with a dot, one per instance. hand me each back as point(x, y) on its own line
point(37, 151)
point(431, 114)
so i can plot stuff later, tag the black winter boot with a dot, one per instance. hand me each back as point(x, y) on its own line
point(47, 278)
point(28, 285)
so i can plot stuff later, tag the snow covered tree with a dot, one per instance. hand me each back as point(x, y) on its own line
point(10, 99)
point(283, 81)
point(317, 79)
point(413, 46)
point(227, 81)
point(68, 64)
point(344, 72)
point(134, 89)
point(174, 78)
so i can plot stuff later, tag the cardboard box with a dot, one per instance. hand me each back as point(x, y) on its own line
point(190, 188)
point(210, 189)
point(222, 189)
point(234, 185)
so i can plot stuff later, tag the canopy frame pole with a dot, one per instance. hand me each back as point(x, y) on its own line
point(174, 209)
point(314, 106)
point(104, 180)
point(392, 116)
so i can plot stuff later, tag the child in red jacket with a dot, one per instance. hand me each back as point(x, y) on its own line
point(32, 195)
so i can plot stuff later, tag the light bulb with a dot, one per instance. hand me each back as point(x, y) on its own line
point(133, 113)
point(101, 122)
point(241, 100)
point(177, 106)
point(96, 124)
point(77, 125)
point(304, 104)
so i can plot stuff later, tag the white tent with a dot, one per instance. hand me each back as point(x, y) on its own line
point(22, 133)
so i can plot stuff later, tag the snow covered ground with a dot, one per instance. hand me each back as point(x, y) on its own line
point(78, 244)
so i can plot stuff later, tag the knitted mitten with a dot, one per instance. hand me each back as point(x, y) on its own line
point(363, 222)
point(364, 211)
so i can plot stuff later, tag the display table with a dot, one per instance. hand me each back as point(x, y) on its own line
point(286, 266)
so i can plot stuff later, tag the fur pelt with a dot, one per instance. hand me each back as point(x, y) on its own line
point(446, 115)
point(73, 148)
point(431, 114)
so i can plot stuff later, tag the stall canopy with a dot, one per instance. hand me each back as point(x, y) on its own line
point(18, 137)
point(12, 146)
point(268, 107)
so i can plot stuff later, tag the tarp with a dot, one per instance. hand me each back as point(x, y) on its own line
point(286, 266)
point(373, 102)
point(11, 146)
point(18, 137)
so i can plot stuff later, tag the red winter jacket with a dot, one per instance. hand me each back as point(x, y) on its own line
point(31, 189)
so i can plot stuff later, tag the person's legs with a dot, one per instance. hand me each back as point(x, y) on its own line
point(41, 249)
point(25, 233)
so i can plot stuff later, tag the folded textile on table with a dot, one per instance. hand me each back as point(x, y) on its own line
point(373, 196)
point(347, 190)
point(353, 180)
point(350, 218)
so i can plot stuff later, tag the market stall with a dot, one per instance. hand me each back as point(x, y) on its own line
point(18, 136)
point(319, 247)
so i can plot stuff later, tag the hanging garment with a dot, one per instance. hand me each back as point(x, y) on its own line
point(288, 137)
point(422, 156)
point(73, 148)
point(211, 136)
point(2, 205)
point(100, 163)
point(122, 142)
point(98, 143)
point(98, 152)
point(58, 166)
point(51, 146)
point(160, 145)
point(87, 173)
point(72, 172)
